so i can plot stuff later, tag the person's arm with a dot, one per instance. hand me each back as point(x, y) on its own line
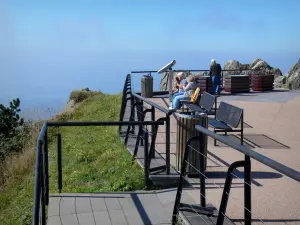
point(185, 83)
point(188, 87)
point(219, 69)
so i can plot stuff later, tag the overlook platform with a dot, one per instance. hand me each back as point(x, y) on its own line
point(271, 128)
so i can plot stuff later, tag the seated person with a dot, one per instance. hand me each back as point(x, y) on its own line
point(177, 83)
point(182, 83)
point(188, 92)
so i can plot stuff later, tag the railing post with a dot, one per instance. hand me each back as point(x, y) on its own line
point(153, 126)
point(168, 143)
point(42, 196)
point(142, 119)
point(46, 167)
point(170, 83)
point(132, 114)
point(226, 190)
point(123, 105)
point(242, 128)
point(247, 191)
point(181, 179)
point(146, 159)
point(38, 188)
point(130, 119)
point(202, 171)
point(59, 162)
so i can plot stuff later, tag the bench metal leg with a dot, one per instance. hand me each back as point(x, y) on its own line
point(242, 128)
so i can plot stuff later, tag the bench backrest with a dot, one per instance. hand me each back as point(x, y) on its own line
point(207, 101)
point(229, 114)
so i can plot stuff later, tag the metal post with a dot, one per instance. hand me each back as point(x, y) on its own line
point(146, 159)
point(226, 190)
point(168, 144)
point(130, 119)
point(153, 127)
point(37, 188)
point(142, 118)
point(46, 168)
point(43, 210)
point(242, 128)
point(181, 179)
point(132, 114)
point(170, 83)
point(247, 191)
point(202, 170)
point(59, 162)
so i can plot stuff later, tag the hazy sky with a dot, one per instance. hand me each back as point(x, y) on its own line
point(48, 49)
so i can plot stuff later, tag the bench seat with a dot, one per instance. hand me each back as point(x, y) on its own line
point(218, 124)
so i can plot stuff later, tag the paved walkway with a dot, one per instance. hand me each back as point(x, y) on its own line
point(136, 208)
point(275, 197)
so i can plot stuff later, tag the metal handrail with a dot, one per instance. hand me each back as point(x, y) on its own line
point(151, 103)
point(102, 123)
point(254, 155)
point(41, 190)
point(193, 70)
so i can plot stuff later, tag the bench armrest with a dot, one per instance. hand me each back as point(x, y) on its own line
point(186, 101)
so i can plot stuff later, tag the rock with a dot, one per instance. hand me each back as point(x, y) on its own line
point(232, 65)
point(280, 82)
point(254, 62)
point(276, 72)
point(203, 73)
point(257, 66)
point(85, 89)
point(293, 76)
point(236, 66)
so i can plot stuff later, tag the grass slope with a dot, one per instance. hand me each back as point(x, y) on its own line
point(94, 159)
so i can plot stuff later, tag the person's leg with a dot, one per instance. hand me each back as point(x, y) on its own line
point(218, 84)
point(176, 94)
point(213, 84)
point(177, 104)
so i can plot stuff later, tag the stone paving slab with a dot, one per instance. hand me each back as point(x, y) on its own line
point(137, 208)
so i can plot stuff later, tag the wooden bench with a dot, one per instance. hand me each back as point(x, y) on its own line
point(205, 105)
point(228, 118)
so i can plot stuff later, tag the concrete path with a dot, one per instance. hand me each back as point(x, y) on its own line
point(137, 208)
point(275, 197)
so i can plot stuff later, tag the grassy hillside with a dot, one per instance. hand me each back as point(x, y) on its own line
point(94, 159)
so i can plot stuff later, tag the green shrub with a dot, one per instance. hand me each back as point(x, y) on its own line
point(10, 119)
point(79, 96)
point(13, 131)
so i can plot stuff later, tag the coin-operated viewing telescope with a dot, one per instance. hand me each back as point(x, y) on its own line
point(168, 68)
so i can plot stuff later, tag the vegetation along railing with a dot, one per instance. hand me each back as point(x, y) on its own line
point(41, 185)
